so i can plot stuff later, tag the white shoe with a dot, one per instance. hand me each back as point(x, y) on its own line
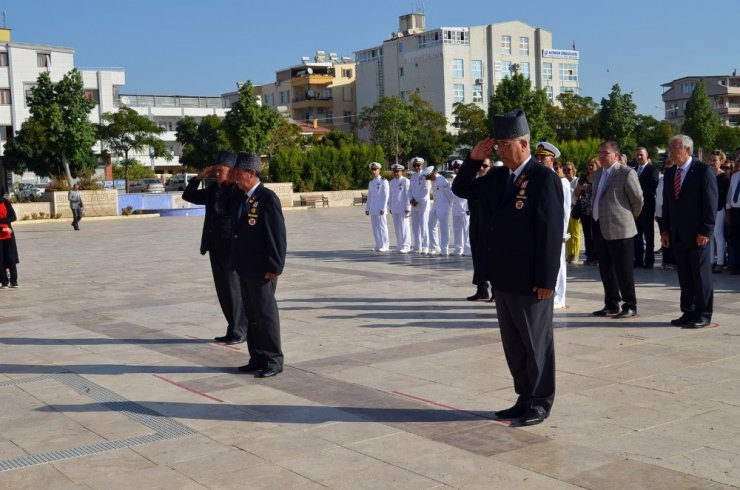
point(434, 252)
point(558, 306)
point(384, 249)
point(458, 252)
point(404, 251)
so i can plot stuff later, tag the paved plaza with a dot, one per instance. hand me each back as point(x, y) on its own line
point(109, 379)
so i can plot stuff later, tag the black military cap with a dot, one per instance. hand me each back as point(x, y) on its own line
point(509, 125)
point(225, 158)
point(248, 161)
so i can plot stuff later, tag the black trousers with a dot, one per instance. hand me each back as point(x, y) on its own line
point(616, 269)
point(229, 292)
point(587, 225)
point(13, 269)
point(734, 235)
point(645, 239)
point(76, 217)
point(263, 332)
point(694, 266)
point(526, 333)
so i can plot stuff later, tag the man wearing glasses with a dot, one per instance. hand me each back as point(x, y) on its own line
point(521, 227)
point(419, 191)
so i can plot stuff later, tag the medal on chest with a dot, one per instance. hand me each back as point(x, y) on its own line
point(252, 213)
point(521, 185)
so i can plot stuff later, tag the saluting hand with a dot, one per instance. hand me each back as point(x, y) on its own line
point(482, 149)
point(543, 293)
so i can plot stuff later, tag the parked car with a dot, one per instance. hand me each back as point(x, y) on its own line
point(178, 182)
point(146, 185)
point(30, 191)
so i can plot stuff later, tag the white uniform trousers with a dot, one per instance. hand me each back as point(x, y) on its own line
point(718, 242)
point(403, 232)
point(560, 284)
point(420, 226)
point(460, 228)
point(439, 239)
point(380, 231)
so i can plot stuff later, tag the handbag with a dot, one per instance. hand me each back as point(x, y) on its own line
point(577, 211)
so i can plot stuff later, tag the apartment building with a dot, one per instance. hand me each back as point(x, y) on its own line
point(462, 64)
point(723, 92)
point(318, 91)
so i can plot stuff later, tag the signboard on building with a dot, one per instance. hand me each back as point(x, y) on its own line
point(560, 53)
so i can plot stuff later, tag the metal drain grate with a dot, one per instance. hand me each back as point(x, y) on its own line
point(163, 427)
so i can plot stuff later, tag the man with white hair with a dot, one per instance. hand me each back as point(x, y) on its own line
point(377, 203)
point(419, 200)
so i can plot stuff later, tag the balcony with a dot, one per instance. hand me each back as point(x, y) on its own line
point(316, 102)
point(169, 101)
point(315, 79)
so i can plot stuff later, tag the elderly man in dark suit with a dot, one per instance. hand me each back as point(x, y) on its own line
point(648, 176)
point(521, 234)
point(617, 201)
point(218, 199)
point(689, 210)
point(258, 254)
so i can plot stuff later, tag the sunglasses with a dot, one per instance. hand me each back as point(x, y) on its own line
point(566, 170)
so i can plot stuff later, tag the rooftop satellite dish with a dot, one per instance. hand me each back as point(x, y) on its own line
point(309, 70)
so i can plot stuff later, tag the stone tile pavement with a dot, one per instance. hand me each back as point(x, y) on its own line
point(108, 378)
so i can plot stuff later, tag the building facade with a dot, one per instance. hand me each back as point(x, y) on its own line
point(319, 91)
point(723, 92)
point(462, 64)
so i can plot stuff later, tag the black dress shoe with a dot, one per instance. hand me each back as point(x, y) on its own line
point(480, 294)
point(626, 313)
point(269, 372)
point(681, 322)
point(223, 338)
point(249, 368)
point(701, 323)
point(514, 412)
point(236, 340)
point(606, 311)
point(533, 416)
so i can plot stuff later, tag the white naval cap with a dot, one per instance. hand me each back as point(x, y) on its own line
point(498, 163)
point(428, 170)
point(397, 166)
point(418, 160)
point(545, 148)
point(456, 163)
point(375, 165)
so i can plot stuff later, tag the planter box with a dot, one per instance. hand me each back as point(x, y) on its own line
point(97, 203)
point(28, 208)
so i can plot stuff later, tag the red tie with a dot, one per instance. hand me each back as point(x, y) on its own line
point(677, 183)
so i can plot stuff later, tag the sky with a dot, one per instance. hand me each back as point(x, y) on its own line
point(183, 47)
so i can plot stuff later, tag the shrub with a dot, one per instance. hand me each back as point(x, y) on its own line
point(127, 211)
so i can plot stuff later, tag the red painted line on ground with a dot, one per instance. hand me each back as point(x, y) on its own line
point(187, 388)
point(220, 344)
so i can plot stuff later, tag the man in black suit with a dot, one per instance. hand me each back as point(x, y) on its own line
point(689, 210)
point(258, 254)
point(521, 227)
point(218, 199)
point(648, 176)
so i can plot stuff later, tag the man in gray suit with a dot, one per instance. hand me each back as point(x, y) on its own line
point(617, 201)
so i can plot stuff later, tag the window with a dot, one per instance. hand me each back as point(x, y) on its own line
point(568, 72)
point(429, 39)
point(28, 92)
point(477, 93)
point(92, 94)
point(458, 68)
point(505, 44)
point(400, 46)
point(568, 90)
point(347, 117)
point(458, 92)
point(688, 88)
point(402, 94)
point(43, 60)
point(455, 37)
point(476, 69)
point(4, 58)
point(524, 46)
point(503, 69)
point(329, 117)
point(4, 96)
point(327, 94)
point(548, 92)
point(282, 98)
point(347, 72)
point(547, 71)
point(524, 66)
point(347, 95)
point(400, 72)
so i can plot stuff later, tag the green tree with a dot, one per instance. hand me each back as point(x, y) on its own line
point(135, 170)
point(58, 132)
point(337, 138)
point(617, 118)
point(516, 92)
point(284, 134)
point(728, 138)
point(579, 152)
point(431, 139)
point(248, 124)
point(574, 118)
point(471, 123)
point(126, 131)
point(390, 122)
point(200, 141)
point(700, 121)
point(652, 134)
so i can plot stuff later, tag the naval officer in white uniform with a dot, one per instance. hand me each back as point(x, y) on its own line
point(419, 200)
point(400, 208)
point(439, 216)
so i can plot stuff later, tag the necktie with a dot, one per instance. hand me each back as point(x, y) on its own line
point(639, 170)
point(509, 189)
point(737, 191)
point(677, 183)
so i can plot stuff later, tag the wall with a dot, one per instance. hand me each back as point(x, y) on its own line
point(96, 203)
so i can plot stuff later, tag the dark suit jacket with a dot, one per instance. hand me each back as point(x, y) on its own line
point(694, 212)
point(259, 242)
point(649, 184)
point(522, 235)
point(219, 211)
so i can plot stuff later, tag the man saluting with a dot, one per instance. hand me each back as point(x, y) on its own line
point(521, 226)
